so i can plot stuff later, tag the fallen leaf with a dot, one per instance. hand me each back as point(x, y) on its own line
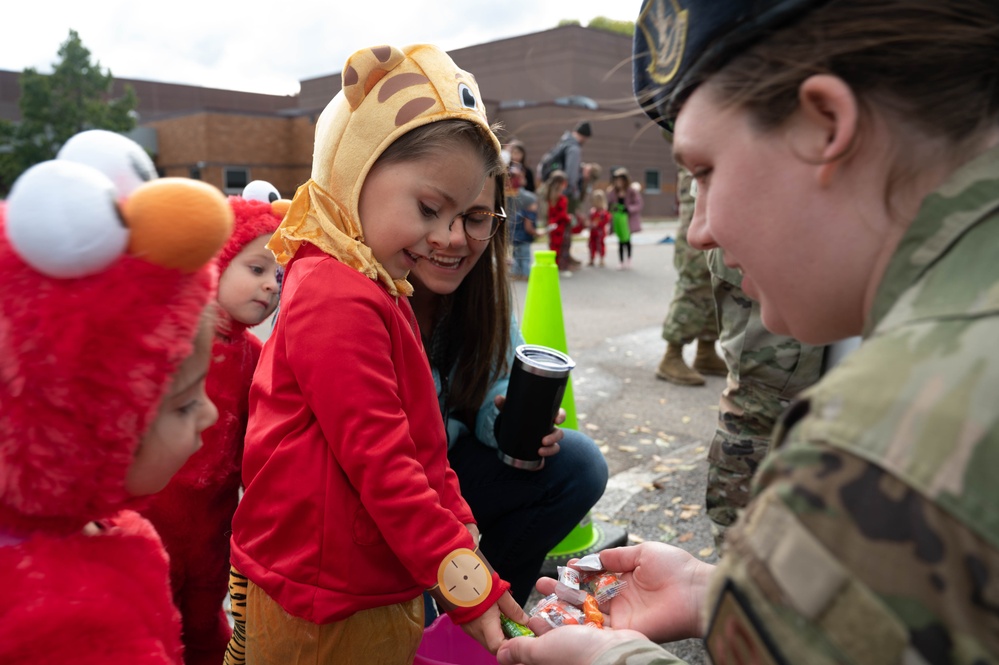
point(628, 415)
point(645, 442)
point(687, 514)
point(669, 513)
point(699, 449)
point(685, 537)
point(706, 552)
point(601, 517)
point(635, 538)
point(628, 449)
point(592, 426)
point(675, 500)
point(691, 506)
point(685, 420)
point(644, 508)
point(669, 533)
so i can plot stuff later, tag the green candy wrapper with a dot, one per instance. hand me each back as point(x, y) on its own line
point(513, 629)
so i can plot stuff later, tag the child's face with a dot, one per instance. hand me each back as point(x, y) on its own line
point(175, 434)
point(446, 268)
point(248, 289)
point(406, 207)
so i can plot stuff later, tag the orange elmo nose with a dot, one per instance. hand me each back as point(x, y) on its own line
point(200, 221)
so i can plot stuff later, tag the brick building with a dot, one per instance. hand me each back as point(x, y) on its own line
point(535, 86)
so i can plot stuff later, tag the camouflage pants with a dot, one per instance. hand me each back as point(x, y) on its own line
point(692, 312)
point(765, 372)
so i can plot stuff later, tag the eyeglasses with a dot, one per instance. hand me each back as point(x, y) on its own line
point(479, 224)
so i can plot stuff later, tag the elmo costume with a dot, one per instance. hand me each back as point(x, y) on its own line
point(107, 272)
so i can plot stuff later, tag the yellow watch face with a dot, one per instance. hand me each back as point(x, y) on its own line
point(464, 578)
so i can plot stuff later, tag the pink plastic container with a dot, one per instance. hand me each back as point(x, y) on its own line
point(446, 644)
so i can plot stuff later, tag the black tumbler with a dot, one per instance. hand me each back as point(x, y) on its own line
point(537, 383)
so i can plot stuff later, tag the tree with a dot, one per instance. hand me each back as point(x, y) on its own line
point(612, 25)
point(76, 96)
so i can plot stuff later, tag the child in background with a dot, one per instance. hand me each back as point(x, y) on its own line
point(559, 222)
point(350, 509)
point(600, 219)
point(624, 203)
point(103, 354)
point(522, 231)
point(193, 514)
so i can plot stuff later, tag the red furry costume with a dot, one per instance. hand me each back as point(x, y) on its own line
point(193, 514)
point(90, 338)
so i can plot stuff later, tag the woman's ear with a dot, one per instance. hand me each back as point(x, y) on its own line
point(826, 128)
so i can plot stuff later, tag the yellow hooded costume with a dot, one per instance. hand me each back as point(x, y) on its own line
point(386, 92)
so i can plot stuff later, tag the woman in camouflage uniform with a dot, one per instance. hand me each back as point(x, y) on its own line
point(847, 157)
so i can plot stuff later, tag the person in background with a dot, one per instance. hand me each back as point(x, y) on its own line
point(523, 231)
point(350, 509)
point(873, 532)
point(105, 343)
point(461, 299)
point(559, 220)
point(691, 316)
point(518, 155)
point(625, 204)
point(567, 156)
point(600, 219)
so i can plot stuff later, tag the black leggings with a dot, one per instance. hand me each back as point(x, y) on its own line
point(620, 250)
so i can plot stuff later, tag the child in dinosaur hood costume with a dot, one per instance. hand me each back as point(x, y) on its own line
point(102, 356)
point(350, 509)
point(193, 514)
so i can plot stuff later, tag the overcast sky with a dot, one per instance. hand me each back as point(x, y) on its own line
point(266, 46)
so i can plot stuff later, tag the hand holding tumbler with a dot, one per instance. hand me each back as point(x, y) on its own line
point(538, 380)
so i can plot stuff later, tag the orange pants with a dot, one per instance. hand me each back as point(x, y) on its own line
point(267, 635)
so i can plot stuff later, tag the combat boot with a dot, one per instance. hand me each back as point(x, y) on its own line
point(673, 369)
point(707, 361)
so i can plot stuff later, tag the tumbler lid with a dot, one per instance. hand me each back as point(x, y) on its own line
point(544, 361)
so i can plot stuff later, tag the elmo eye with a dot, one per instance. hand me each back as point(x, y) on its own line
point(261, 190)
point(120, 159)
point(467, 96)
point(62, 219)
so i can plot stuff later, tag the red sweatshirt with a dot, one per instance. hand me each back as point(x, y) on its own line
point(349, 501)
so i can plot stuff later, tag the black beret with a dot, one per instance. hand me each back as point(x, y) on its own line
point(583, 129)
point(680, 42)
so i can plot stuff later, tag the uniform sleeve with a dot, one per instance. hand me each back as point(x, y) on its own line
point(638, 652)
point(836, 560)
point(344, 359)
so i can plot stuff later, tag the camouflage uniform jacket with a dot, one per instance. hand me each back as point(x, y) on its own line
point(873, 535)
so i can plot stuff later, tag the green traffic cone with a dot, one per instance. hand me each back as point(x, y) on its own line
point(543, 324)
point(542, 321)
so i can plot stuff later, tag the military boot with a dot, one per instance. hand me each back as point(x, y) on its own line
point(673, 369)
point(707, 361)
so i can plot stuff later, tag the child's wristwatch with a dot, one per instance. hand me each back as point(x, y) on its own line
point(464, 579)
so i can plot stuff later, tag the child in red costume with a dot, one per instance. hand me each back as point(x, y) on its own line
point(350, 510)
point(559, 222)
point(600, 220)
point(193, 515)
point(104, 345)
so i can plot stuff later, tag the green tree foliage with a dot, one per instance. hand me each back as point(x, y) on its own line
point(75, 97)
point(568, 21)
point(612, 25)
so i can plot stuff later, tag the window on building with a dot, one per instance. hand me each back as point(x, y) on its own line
point(652, 184)
point(235, 179)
